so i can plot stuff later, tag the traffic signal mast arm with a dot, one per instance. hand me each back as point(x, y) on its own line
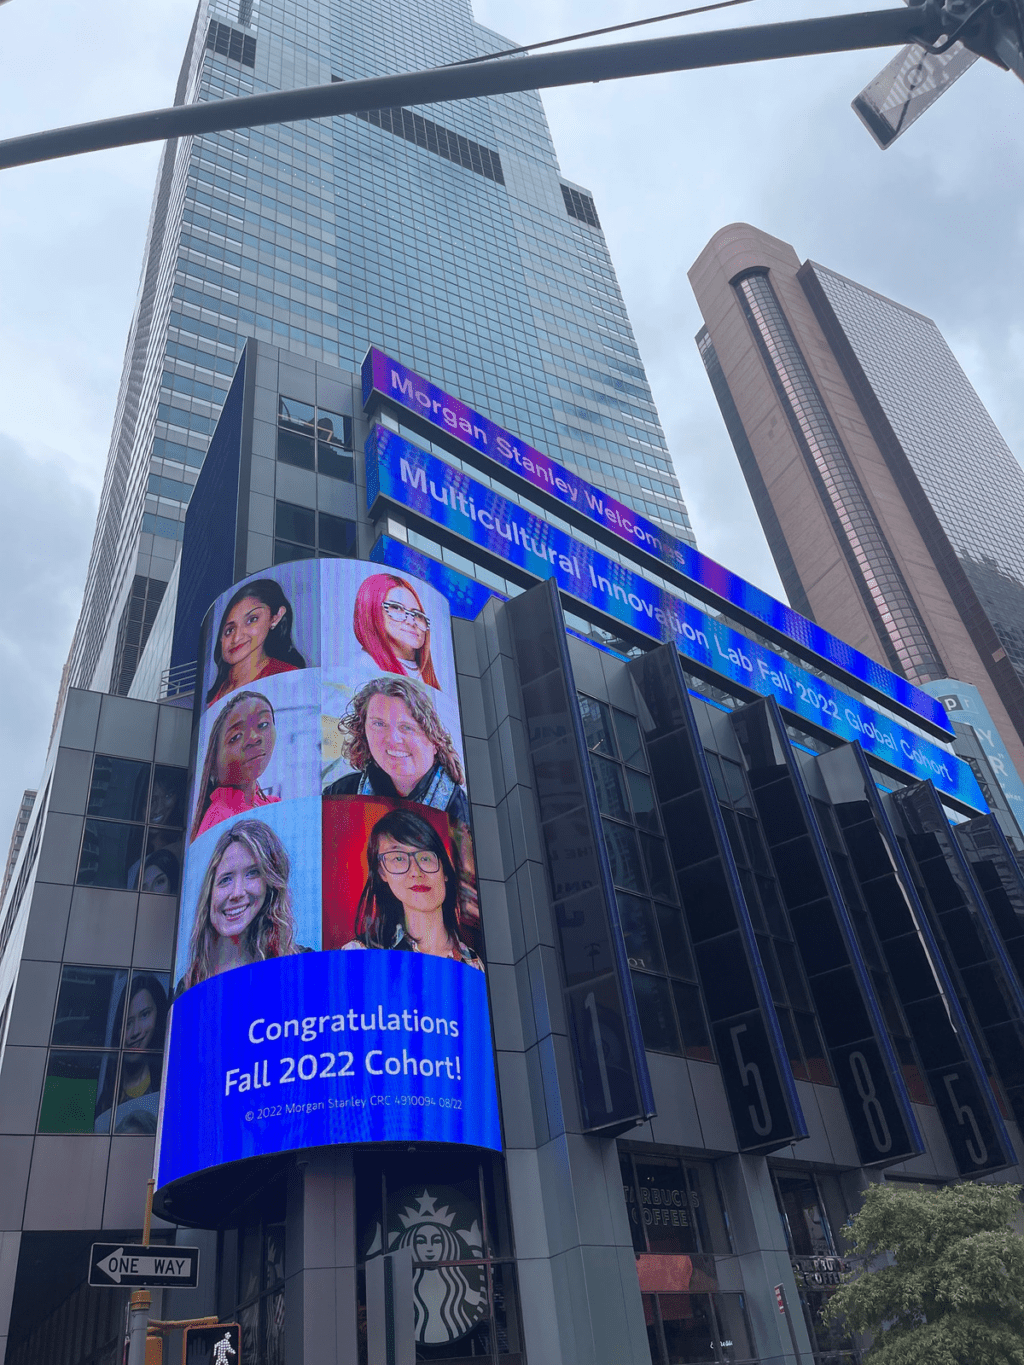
point(924, 23)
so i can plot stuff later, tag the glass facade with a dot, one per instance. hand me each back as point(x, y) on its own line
point(456, 246)
point(901, 629)
point(970, 477)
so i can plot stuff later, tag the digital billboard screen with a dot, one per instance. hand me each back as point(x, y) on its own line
point(329, 981)
point(384, 377)
point(400, 472)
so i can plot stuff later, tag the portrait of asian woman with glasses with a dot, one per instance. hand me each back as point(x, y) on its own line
point(410, 901)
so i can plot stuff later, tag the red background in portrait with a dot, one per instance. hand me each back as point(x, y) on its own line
point(347, 822)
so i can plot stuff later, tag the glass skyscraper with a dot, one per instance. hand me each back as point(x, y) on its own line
point(449, 237)
point(970, 476)
point(893, 506)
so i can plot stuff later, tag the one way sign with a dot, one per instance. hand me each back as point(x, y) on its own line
point(115, 1266)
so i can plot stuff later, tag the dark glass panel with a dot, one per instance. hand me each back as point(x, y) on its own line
point(624, 856)
point(70, 1092)
point(728, 984)
point(657, 1021)
point(161, 871)
point(659, 873)
point(673, 938)
point(119, 789)
point(167, 799)
point(841, 1010)
point(818, 1069)
point(111, 855)
point(631, 749)
point(696, 1041)
point(334, 428)
point(284, 552)
point(688, 829)
point(672, 766)
point(791, 974)
point(90, 1007)
point(937, 1042)
point(666, 1207)
point(294, 415)
point(597, 726)
point(910, 969)
point(639, 933)
point(611, 792)
point(337, 535)
point(798, 873)
point(793, 1049)
point(689, 1328)
point(645, 808)
point(295, 450)
point(296, 524)
point(735, 785)
point(821, 944)
point(335, 464)
point(706, 899)
point(583, 935)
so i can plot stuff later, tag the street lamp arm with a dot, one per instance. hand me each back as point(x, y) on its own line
point(684, 52)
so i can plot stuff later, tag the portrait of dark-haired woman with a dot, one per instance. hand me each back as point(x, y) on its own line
point(138, 1086)
point(254, 639)
point(411, 897)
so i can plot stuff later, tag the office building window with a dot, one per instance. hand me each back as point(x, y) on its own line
point(657, 943)
point(105, 1060)
point(313, 438)
point(580, 206)
point(302, 533)
point(678, 1225)
point(133, 829)
point(251, 1273)
point(805, 1201)
point(228, 42)
point(437, 139)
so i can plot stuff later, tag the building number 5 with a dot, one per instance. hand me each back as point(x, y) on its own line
point(965, 1114)
point(750, 1074)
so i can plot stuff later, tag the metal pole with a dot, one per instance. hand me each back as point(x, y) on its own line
point(140, 1300)
point(686, 52)
point(140, 1304)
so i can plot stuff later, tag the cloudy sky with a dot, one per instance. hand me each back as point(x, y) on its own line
point(937, 222)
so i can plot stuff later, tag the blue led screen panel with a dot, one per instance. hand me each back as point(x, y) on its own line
point(384, 377)
point(330, 980)
point(399, 472)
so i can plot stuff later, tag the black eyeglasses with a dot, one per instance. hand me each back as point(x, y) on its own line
point(398, 862)
point(399, 613)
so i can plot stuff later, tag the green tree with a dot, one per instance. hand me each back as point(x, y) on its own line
point(952, 1292)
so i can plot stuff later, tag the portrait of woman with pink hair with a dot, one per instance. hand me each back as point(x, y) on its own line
point(393, 629)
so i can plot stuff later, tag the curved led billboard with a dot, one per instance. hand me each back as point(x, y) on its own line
point(329, 978)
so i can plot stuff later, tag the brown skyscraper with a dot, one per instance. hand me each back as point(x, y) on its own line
point(892, 506)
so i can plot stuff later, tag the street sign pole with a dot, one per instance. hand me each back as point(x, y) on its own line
point(140, 1301)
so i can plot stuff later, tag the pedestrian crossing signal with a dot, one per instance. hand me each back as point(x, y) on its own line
point(220, 1345)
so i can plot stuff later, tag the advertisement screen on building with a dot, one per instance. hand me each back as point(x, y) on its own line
point(329, 981)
